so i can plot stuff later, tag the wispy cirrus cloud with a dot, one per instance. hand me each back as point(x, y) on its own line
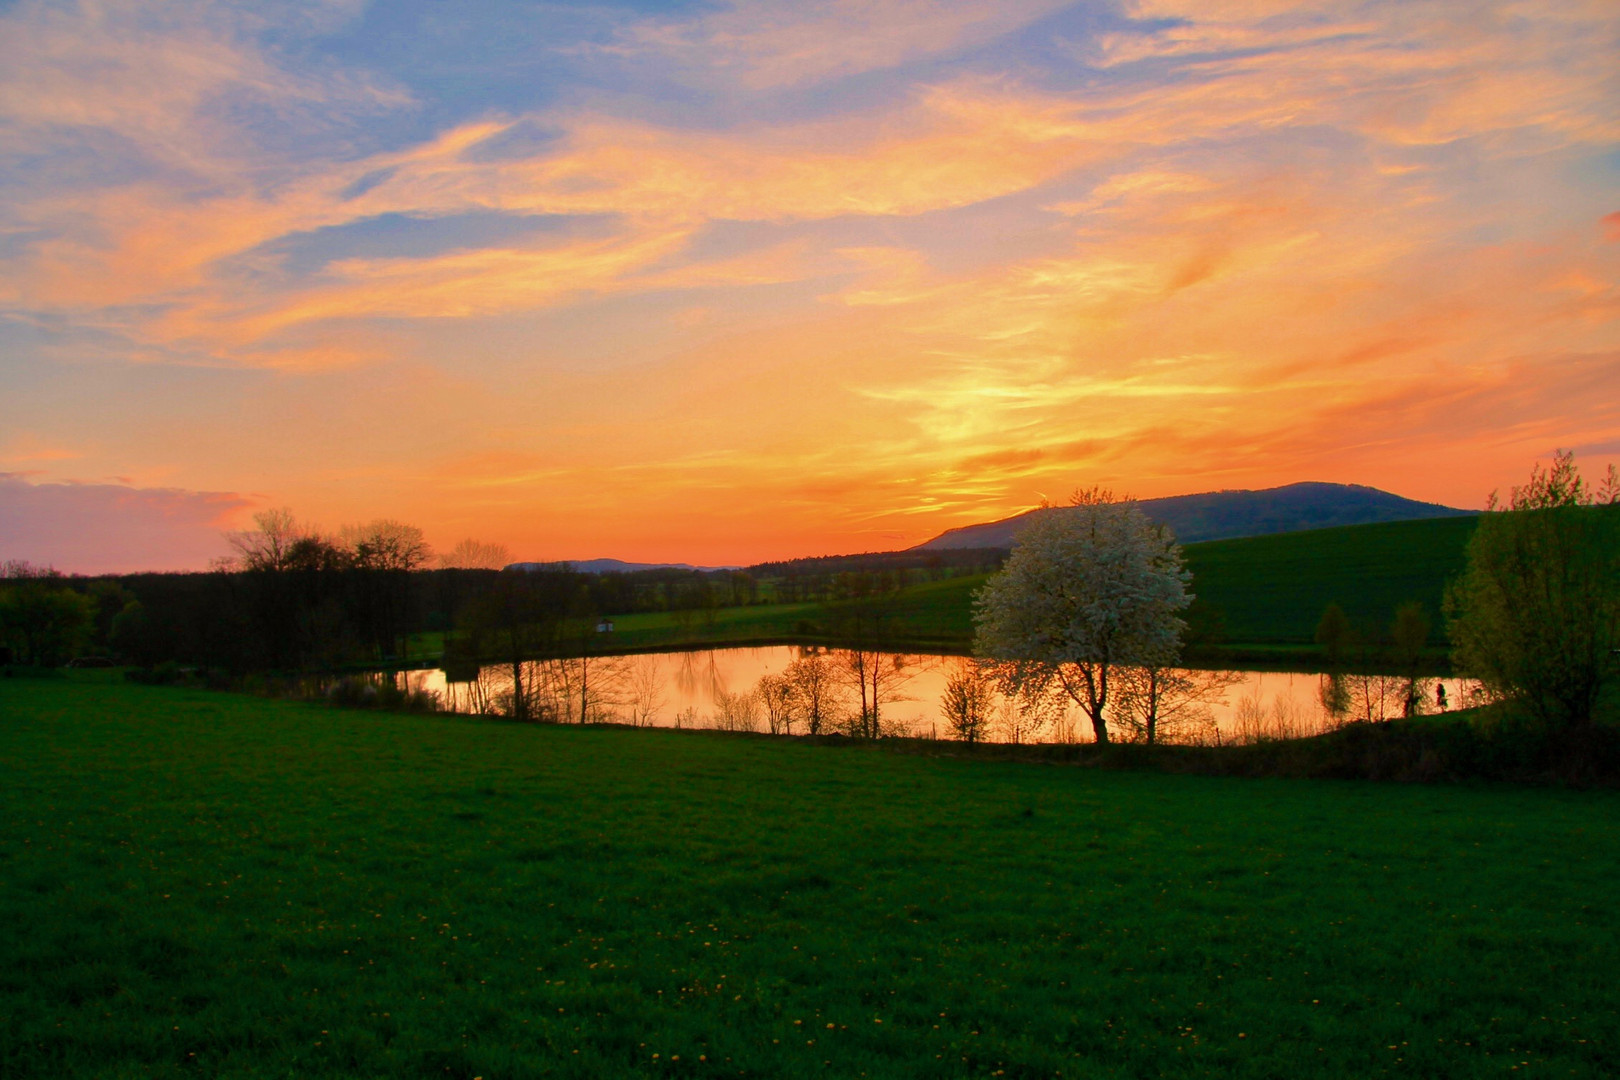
point(961, 144)
point(152, 249)
point(177, 87)
point(772, 44)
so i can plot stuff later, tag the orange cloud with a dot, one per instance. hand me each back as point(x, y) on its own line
point(1235, 243)
point(148, 245)
point(66, 525)
point(26, 447)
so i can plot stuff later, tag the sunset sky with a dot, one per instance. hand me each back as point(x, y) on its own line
point(717, 283)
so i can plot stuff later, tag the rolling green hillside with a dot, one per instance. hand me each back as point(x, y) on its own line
point(1273, 588)
point(1268, 590)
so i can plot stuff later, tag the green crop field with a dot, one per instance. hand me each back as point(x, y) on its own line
point(740, 624)
point(1273, 588)
point(200, 884)
point(1269, 590)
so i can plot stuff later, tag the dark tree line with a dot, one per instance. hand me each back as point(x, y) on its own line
point(292, 598)
point(1375, 671)
point(45, 620)
point(839, 578)
point(316, 608)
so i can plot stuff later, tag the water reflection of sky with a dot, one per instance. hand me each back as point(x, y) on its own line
point(687, 687)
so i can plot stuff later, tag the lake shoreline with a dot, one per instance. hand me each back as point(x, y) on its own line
point(1241, 656)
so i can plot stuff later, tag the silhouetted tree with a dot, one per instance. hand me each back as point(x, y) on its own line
point(877, 678)
point(1028, 707)
point(969, 697)
point(644, 688)
point(385, 544)
point(1408, 634)
point(814, 690)
point(384, 553)
point(1165, 704)
point(476, 555)
point(518, 618)
point(269, 546)
point(1335, 635)
point(777, 697)
point(737, 711)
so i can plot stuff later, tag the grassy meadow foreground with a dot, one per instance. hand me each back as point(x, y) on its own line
point(206, 884)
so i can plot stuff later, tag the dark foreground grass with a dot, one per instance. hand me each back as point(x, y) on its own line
point(196, 884)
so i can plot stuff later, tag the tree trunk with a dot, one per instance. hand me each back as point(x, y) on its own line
point(1099, 726)
point(1097, 700)
point(1153, 705)
point(520, 705)
point(873, 728)
point(584, 686)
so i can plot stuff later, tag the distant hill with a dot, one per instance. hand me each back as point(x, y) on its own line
point(613, 566)
point(1227, 515)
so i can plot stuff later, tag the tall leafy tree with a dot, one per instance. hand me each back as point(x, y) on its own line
point(1536, 615)
point(43, 621)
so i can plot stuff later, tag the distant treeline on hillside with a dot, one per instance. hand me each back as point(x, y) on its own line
point(314, 615)
point(317, 614)
point(313, 618)
point(309, 615)
point(849, 577)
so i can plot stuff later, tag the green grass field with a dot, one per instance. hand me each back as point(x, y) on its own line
point(200, 884)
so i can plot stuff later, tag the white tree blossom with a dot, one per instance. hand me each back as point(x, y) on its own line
point(1087, 589)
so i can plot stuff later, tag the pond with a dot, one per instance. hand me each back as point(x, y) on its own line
point(741, 689)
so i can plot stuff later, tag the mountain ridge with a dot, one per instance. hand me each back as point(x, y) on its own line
point(1230, 514)
point(612, 566)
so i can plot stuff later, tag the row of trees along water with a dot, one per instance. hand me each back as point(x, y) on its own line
point(293, 597)
point(862, 693)
point(821, 692)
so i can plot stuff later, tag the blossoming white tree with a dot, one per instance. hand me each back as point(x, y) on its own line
point(1087, 589)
